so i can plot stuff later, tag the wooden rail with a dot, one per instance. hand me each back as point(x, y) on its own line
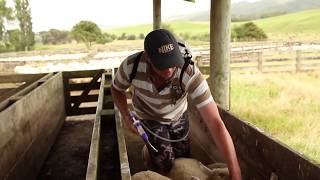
point(17, 83)
point(263, 157)
point(81, 91)
point(108, 155)
point(267, 61)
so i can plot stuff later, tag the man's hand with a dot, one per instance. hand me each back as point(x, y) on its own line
point(129, 123)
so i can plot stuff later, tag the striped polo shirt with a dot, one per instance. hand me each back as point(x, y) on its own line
point(164, 106)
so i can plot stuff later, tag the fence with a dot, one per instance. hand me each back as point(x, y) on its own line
point(267, 61)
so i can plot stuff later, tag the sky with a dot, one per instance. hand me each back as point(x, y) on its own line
point(63, 14)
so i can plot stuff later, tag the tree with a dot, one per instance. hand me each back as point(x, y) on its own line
point(5, 15)
point(55, 36)
point(249, 31)
point(87, 32)
point(14, 39)
point(23, 14)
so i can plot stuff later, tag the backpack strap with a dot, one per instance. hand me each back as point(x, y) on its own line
point(135, 67)
point(187, 60)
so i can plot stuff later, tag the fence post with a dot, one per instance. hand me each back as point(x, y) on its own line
point(298, 61)
point(260, 62)
point(199, 60)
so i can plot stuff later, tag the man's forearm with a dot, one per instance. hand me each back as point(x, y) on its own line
point(120, 100)
point(221, 137)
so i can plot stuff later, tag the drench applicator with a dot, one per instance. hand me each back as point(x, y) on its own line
point(142, 133)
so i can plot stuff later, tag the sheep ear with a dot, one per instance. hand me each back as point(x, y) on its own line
point(205, 169)
point(217, 165)
point(224, 172)
point(194, 178)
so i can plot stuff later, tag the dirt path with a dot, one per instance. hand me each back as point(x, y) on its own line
point(69, 154)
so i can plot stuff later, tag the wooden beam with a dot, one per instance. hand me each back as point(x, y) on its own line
point(260, 156)
point(24, 90)
point(86, 91)
point(80, 74)
point(89, 98)
point(82, 111)
point(93, 161)
point(16, 78)
point(220, 18)
point(156, 14)
point(5, 90)
point(82, 86)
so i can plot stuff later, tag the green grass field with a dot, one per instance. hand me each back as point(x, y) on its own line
point(177, 26)
point(285, 106)
point(301, 26)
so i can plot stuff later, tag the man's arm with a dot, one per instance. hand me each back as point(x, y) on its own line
point(221, 136)
point(120, 100)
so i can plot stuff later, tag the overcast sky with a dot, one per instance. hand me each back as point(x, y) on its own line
point(63, 14)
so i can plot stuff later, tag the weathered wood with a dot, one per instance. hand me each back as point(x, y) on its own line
point(260, 155)
point(5, 90)
point(28, 128)
point(156, 14)
point(123, 155)
point(16, 78)
point(24, 90)
point(86, 91)
point(298, 61)
point(80, 74)
point(82, 86)
point(260, 62)
point(93, 161)
point(220, 18)
point(82, 111)
point(89, 98)
point(27, 78)
point(66, 92)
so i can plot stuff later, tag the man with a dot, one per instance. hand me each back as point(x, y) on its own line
point(160, 101)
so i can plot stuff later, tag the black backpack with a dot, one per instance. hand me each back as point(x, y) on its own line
point(187, 60)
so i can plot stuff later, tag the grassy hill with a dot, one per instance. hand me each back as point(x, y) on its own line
point(255, 10)
point(177, 26)
point(302, 25)
point(301, 22)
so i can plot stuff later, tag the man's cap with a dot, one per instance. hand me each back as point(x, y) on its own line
point(163, 49)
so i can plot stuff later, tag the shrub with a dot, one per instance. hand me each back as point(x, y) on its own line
point(249, 31)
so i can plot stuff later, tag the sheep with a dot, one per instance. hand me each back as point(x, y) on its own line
point(148, 175)
point(188, 169)
point(192, 169)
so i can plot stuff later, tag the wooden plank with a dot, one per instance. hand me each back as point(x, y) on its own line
point(82, 111)
point(24, 90)
point(81, 74)
point(260, 155)
point(16, 78)
point(89, 98)
point(66, 91)
point(82, 86)
point(123, 154)
point(5, 90)
point(35, 117)
point(87, 90)
point(92, 168)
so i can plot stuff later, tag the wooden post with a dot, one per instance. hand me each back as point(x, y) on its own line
point(156, 14)
point(298, 61)
point(260, 62)
point(220, 18)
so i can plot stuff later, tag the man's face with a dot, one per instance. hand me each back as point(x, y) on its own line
point(165, 73)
